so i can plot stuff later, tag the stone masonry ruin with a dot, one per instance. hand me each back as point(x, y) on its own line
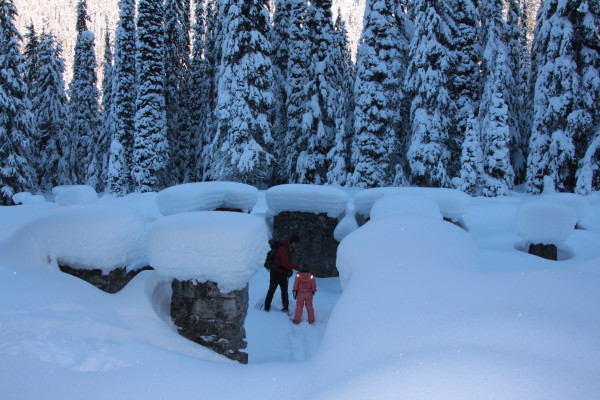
point(317, 248)
point(206, 316)
point(312, 212)
point(110, 282)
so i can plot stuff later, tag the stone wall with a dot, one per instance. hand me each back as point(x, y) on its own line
point(547, 251)
point(112, 282)
point(318, 247)
point(206, 316)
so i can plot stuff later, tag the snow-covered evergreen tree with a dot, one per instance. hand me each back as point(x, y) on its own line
point(280, 40)
point(124, 100)
point(217, 16)
point(243, 145)
point(150, 148)
point(566, 96)
point(338, 158)
point(377, 93)
point(177, 60)
point(494, 111)
point(471, 160)
point(319, 118)
point(200, 86)
point(30, 53)
point(84, 113)
point(464, 76)
point(518, 56)
point(427, 85)
point(50, 113)
point(295, 107)
point(16, 120)
point(108, 111)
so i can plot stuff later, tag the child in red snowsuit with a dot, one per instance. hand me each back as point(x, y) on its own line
point(305, 287)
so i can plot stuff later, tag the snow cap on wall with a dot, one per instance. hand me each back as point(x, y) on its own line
point(405, 204)
point(74, 194)
point(219, 246)
point(315, 199)
point(89, 236)
point(206, 196)
point(453, 203)
point(545, 222)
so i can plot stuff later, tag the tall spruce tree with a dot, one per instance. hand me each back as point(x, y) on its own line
point(295, 107)
point(243, 144)
point(30, 53)
point(320, 115)
point(588, 58)
point(471, 160)
point(495, 120)
point(565, 94)
point(119, 179)
point(84, 109)
point(343, 72)
point(217, 15)
point(177, 63)
point(518, 57)
point(464, 76)
point(281, 42)
point(107, 111)
point(108, 107)
point(200, 86)
point(377, 92)
point(427, 85)
point(50, 111)
point(150, 148)
point(16, 120)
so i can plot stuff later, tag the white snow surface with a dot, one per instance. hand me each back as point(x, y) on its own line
point(545, 222)
point(453, 203)
point(206, 196)
point(220, 246)
point(429, 311)
point(316, 199)
point(405, 204)
point(74, 194)
point(90, 236)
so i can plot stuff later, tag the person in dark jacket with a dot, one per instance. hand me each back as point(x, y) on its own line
point(281, 270)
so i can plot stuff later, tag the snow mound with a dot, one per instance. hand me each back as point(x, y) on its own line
point(545, 222)
point(397, 244)
point(27, 198)
point(91, 236)
point(75, 194)
point(405, 204)
point(206, 196)
point(579, 204)
point(223, 247)
point(307, 198)
point(346, 226)
point(452, 203)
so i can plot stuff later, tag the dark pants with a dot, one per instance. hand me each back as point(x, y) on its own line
point(277, 279)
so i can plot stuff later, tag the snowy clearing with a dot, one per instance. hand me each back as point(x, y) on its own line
point(427, 311)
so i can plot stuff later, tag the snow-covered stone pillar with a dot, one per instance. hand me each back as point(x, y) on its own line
point(312, 212)
point(210, 257)
point(545, 225)
point(99, 243)
point(451, 203)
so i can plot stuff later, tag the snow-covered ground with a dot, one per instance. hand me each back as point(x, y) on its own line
point(422, 310)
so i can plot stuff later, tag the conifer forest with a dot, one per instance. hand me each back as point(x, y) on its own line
point(486, 96)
